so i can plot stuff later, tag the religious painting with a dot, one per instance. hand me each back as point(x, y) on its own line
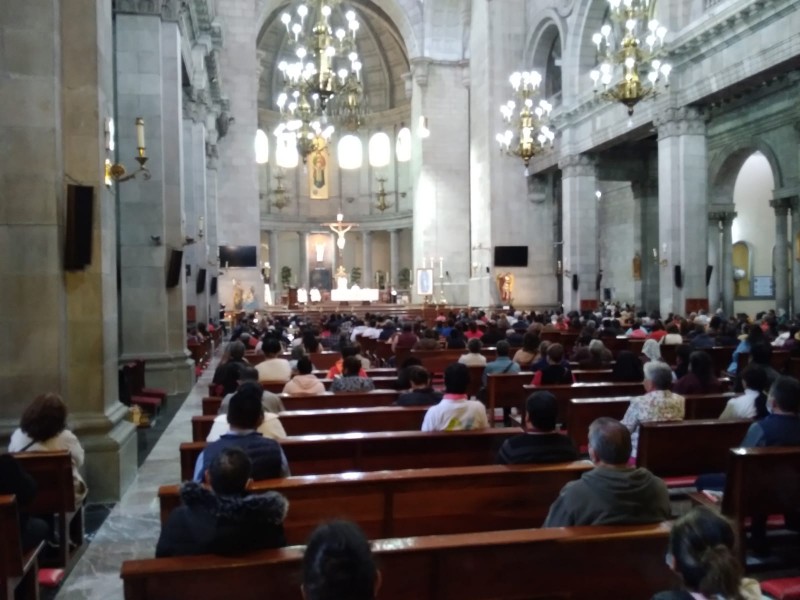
point(238, 296)
point(321, 279)
point(425, 282)
point(319, 174)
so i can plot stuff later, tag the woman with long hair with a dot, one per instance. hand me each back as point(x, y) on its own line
point(700, 379)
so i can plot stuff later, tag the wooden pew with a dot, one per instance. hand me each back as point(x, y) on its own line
point(505, 390)
point(371, 372)
point(760, 481)
point(337, 420)
point(416, 501)
point(436, 361)
point(322, 401)
point(565, 393)
point(581, 412)
point(321, 360)
point(55, 495)
point(615, 562)
point(682, 450)
point(321, 454)
point(19, 571)
point(381, 383)
point(592, 375)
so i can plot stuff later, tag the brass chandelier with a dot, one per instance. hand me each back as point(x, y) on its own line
point(628, 47)
point(324, 68)
point(527, 118)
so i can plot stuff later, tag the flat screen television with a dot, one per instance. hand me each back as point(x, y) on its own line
point(237, 256)
point(510, 256)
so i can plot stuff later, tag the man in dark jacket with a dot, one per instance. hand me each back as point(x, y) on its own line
point(612, 493)
point(421, 394)
point(227, 375)
point(223, 520)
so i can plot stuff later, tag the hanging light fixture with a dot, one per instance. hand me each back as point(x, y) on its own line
point(628, 47)
point(279, 193)
point(324, 64)
point(402, 149)
point(380, 150)
point(382, 194)
point(350, 152)
point(528, 133)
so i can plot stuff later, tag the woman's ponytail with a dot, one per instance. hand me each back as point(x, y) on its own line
point(723, 574)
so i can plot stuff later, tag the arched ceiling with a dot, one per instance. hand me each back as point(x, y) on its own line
point(379, 44)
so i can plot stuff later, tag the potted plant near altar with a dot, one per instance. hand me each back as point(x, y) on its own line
point(286, 276)
point(404, 278)
point(355, 276)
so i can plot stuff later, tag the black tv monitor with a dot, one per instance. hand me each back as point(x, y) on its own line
point(237, 256)
point(510, 256)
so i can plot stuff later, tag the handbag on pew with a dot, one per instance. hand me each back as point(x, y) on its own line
point(483, 393)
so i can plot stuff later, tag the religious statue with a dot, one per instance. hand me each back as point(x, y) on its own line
point(341, 278)
point(238, 296)
point(320, 248)
point(637, 267)
point(505, 285)
point(318, 169)
point(250, 302)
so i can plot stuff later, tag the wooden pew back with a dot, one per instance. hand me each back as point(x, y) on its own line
point(417, 501)
point(381, 383)
point(436, 361)
point(615, 562)
point(506, 390)
point(565, 393)
point(11, 560)
point(321, 454)
point(211, 404)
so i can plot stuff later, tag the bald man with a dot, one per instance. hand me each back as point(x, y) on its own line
point(612, 493)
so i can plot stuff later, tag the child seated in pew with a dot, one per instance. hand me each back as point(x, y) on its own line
point(701, 551)
point(224, 520)
point(541, 443)
point(338, 564)
point(351, 379)
point(421, 393)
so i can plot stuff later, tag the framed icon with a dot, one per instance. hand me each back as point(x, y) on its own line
point(425, 282)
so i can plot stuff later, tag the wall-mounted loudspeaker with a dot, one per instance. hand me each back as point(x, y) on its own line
point(709, 271)
point(78, 239)
point(213, 287)
point(575, 283)
point(678, 277)
point(201, 281)
point(174, 268)
point(598, 280)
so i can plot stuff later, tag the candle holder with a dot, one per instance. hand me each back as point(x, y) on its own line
point(442, 299)
point(116, 172)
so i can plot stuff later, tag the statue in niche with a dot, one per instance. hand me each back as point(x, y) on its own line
point(637, 267)
point(238, 296)
point(341, 278)
point(505, 285)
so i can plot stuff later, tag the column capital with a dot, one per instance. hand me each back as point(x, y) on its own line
point(577, 165)
point(168, 10)
point(781, 206)
point(684, 120)
point(419, 71)
point(725, 217)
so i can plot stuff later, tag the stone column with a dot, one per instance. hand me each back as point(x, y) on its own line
point(682, 212)
point(579, 227)
point(726, 272)
point(781, 263)
point(211, 232)
point(151, 211)
point(646, 193)
point(302, 280)
point(394, 256)
point(367, 279)
point(795, 202)
point(714, 296)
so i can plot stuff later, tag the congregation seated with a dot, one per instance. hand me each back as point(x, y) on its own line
point(761, 355)
point(702, 552)
point(673, 336)
point(540, 362)
point(612, 493)
point(755, 335)
point(627, 368)
point(273, 367)
point(473, 358)
point(530, 349)
point(700, 379)
point(405, 339)
point(403, 381)
point(556, 372)
point(473, 331)
point(421, 392)
point(245, 416)
point(494, 333)
point(228, 373)
point(651, 351)
point(43, 428)
point(658, 403)
point(752, 404)
point(541, 443)
point(455, 339)
point(701, 338)
point(683, 354)
point(224, 519)
point(781, 427)
point(351, 379)
point(271, 402)
point(270, 427)
point(305, 383)
point(338, 367)
point(501, 364)
point(455, 411)
point(428, 341)
point(338, 564)
point(599, 357)
point(16, 482)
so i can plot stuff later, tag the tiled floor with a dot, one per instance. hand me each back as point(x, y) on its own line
point(132, 528)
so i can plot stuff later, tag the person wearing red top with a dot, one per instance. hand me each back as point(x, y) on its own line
point(657, 331)
point(473, 332)
point(338, 368)
point(556, 372)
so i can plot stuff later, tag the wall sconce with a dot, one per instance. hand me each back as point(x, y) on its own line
point(115, 172)
point(663, 262)
point(200, 227)
point(422, 130)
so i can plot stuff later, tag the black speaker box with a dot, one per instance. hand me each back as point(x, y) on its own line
point(78, 239)
point(213, 287)
point(201, 281)
point(678, 277)
point(598, 280)
point(575, 283)
point(709, 271)
point(174, 268)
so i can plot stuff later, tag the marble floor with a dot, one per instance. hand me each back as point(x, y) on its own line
point(132, 528)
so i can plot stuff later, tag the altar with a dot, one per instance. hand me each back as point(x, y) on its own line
point(355, 294)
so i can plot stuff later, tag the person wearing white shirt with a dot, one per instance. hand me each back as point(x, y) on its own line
point(357, 330)
point(455, 412)
point(273, 368)
point(473, 358)
point(753, 403)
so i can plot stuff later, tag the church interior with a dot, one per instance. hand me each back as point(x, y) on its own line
point(202, 184)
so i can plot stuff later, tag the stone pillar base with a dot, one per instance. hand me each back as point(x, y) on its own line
point(173, 373)
point(111, 452)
